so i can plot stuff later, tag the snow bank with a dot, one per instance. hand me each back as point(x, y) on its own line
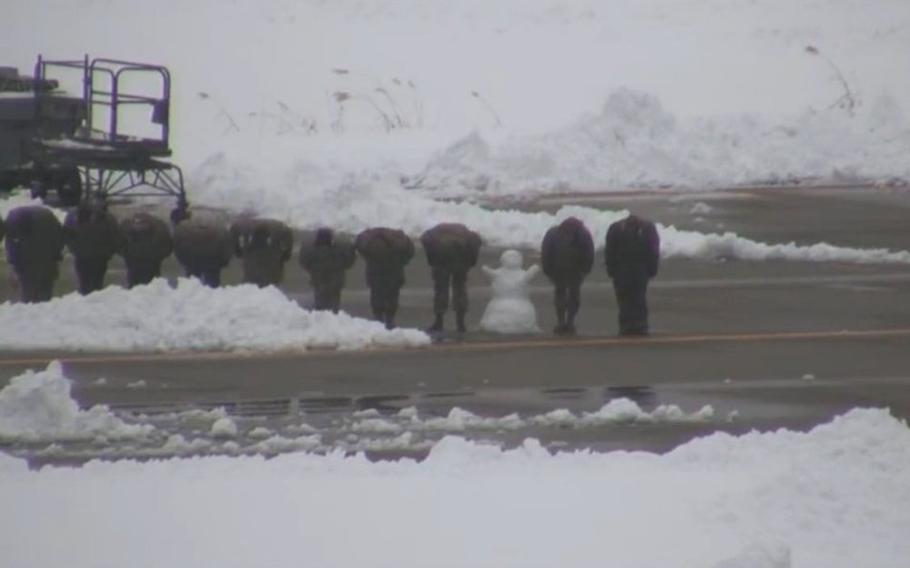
point(23, 199)
point(635, 142)
point(835, 497)
point(356, 205)
point(37, 407)
point(190, 316)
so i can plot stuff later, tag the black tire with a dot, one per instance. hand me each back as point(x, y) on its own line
point(69, 188)
point(38, 188)
point(8, 182)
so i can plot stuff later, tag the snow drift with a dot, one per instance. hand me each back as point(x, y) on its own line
point(37, 406)
point(190, 316)
point(833, 497)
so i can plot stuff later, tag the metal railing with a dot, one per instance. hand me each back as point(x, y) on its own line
point(116, 97)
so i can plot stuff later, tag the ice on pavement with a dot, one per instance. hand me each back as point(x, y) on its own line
point(190, 316)
point(834, 497)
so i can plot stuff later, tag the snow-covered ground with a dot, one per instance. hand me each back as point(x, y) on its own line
point(189, 316)
point(836, 496)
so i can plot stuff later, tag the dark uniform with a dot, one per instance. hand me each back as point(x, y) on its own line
point(145, 241)
point(264, 246)
point(34, 248)
point(567, 256)
point(452, 250)
point(632, 254)
point(91, 235)
point(203, 248)
point(386, 252)
point(326, 257)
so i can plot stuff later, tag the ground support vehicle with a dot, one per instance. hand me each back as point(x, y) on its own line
point(87, 146)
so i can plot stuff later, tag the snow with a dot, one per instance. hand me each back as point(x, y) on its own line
point(23, 199)
point(635, 142)
point(355, 205)
point(224, 428)
point(623, 410)
point(701, 208)
point(834, 497)
point(190, 316)
point(38, 406)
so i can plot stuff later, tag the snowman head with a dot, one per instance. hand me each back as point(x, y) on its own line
point(511, 259)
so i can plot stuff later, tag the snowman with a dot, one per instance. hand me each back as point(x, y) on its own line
point(510, 310)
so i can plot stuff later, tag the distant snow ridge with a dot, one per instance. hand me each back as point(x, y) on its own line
point(190, 316)
point(634, 142)
point(37, 406)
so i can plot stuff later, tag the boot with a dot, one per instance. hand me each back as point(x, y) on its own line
point(569, 328)
point(459, 318)
point(437, 324)
point(560, 328)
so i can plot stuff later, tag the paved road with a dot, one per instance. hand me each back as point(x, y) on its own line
point(766, 344)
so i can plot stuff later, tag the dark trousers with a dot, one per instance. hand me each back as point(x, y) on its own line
point(37, 282)
point(90, 272)
point(445, 280)
point(327, 296)
point(567, 299)
point(385, 286)
point(206, 273)
point(631, 292)
point(140, 272)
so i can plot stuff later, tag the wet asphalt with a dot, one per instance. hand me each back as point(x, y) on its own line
point(766, 344)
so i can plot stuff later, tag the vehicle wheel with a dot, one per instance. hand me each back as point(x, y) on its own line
point(8, 182)
point(38, 189)
point(69, 188)
point(179, 213)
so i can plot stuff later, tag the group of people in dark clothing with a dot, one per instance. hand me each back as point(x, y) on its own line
point(631, 254)
point(35, 240)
